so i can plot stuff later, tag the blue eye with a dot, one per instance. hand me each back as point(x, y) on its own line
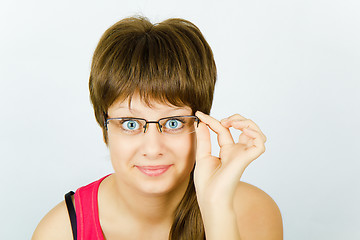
point(173, 124)
point(130, 125)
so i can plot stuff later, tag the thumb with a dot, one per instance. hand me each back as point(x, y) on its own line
point(203, 148)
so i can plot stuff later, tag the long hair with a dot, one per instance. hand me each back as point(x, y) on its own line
point(188, 222)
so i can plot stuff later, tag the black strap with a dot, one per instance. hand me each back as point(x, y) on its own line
point(72, 213)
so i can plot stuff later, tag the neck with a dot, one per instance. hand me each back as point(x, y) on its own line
point(147, 208)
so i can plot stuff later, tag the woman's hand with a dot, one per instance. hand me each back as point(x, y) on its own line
point(216, 178)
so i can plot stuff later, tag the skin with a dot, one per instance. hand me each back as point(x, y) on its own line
point(217, 178)
point(230, 209)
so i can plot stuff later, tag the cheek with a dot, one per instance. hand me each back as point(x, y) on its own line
point(185, 148)
point(121, 152)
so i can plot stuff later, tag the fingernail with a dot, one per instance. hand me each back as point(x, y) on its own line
point(224, 120)
point(199, 113)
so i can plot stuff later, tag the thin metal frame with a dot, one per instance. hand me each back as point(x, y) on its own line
point(106, 122)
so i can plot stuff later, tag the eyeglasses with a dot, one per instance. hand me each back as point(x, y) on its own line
point(174, 125)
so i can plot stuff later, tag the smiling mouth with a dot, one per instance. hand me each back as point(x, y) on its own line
point(153, 171)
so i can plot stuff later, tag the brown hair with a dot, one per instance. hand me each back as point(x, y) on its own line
point(168, 62)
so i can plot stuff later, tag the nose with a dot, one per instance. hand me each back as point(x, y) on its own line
point(158, 126)
point(153, 142)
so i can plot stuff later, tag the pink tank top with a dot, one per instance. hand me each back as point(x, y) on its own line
point(87, 212)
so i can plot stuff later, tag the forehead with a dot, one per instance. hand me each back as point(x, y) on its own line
point(138, 107)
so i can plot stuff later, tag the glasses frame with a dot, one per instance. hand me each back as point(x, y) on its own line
point(159, 127)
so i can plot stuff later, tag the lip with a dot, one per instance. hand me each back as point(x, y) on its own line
point(154, 171)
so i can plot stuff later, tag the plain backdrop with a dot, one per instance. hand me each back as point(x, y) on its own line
point(291, 66)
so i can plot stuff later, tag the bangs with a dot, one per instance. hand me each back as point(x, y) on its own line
point(159, 67)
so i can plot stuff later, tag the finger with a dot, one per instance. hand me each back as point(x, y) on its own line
point(238, 118)
point(255, 136)
point(251, 133)
point(251, 138)
point(203, 141)
point(223, 133)
point(245, 139)
point(258, 144)
point(232, 117)
point(242, 123)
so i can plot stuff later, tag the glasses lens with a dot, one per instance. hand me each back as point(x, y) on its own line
point(126, 126)
point(178, 125)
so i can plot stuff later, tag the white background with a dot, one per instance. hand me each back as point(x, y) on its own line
point(291, 66)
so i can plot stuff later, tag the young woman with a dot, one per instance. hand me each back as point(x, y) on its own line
point(152, 89)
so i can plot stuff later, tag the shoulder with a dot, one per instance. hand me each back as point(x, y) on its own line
point(258, 215)
point(55, 225)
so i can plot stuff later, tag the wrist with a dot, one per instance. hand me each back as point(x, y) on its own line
point(216, 212)
point(220, 223)
point(216, 204)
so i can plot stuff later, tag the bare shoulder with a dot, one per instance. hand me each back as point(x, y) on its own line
point(258, 215)
point(55, 225)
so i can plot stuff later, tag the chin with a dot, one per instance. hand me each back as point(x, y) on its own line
point(163, 185)
point(156, 189)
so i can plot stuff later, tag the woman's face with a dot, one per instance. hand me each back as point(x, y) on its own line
point(151, 162)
